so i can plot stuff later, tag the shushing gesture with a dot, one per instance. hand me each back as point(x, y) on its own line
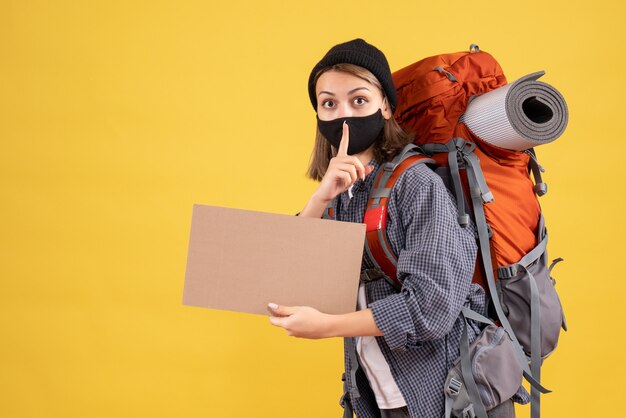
point(343, 170)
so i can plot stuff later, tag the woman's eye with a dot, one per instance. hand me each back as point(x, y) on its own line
point(328, 104)
point(360, 101)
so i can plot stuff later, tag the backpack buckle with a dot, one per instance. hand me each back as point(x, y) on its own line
point(454, 387)
point(508, 271)
point(469, 412)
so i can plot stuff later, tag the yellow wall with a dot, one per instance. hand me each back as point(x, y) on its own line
point(117, 116)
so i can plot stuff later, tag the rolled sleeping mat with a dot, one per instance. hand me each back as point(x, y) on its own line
point(518, 116)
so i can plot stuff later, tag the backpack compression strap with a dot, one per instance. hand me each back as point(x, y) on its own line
point(483, 245)
point(377, 245)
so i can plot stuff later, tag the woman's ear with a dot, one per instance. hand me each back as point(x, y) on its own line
point(386, 110)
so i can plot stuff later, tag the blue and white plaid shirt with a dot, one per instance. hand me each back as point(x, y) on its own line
point(421, 324)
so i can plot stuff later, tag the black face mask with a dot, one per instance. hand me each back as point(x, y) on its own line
point(364, 131)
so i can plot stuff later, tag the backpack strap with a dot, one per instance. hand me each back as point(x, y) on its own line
point(535, 309)
point(329, 212)
point(350, 392)
point(536, 169)
point(344, 402)
point(461, 153)
point(453, 164)
point(377, 246)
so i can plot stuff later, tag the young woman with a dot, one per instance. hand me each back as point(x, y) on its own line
point(406, 340)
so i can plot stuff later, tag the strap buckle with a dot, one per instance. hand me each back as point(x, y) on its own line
point(469, 412)
point(454, 387)
point(508, 271)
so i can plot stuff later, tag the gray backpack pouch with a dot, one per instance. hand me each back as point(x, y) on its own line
point(531, 304)
point(529, 300)
point(495, 375)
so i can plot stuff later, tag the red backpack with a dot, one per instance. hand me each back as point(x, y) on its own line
point(493, 187)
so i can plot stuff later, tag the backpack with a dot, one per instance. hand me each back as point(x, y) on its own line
point(492, 187)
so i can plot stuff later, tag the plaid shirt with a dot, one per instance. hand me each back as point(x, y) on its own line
point(421, 324)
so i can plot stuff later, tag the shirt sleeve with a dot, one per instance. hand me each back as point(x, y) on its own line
point(436, 259)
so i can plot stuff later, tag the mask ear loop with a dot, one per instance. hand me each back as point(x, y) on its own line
point(385, 102)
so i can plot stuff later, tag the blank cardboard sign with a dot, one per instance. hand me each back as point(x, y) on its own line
point(241, 260)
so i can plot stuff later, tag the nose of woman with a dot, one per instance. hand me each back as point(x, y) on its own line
point(344, 111)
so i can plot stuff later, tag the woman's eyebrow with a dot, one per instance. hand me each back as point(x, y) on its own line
point(357, 89)
point(349, 93)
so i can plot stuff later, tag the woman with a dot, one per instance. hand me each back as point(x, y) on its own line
point(406, 340)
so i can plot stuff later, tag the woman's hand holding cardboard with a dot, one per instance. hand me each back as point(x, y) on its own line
point(300, 321)
point(307, 322)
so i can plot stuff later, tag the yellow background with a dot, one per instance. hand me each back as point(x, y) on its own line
point(117, 116)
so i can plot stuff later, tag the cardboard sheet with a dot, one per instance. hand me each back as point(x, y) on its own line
point(241, 260)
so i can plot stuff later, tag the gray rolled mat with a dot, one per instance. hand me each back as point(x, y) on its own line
point(519, 115)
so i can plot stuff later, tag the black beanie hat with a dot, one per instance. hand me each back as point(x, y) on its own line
point(357, 52)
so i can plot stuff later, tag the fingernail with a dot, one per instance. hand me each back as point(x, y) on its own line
point(272, 305)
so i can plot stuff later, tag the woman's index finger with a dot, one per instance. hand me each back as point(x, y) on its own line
point(345, 140)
